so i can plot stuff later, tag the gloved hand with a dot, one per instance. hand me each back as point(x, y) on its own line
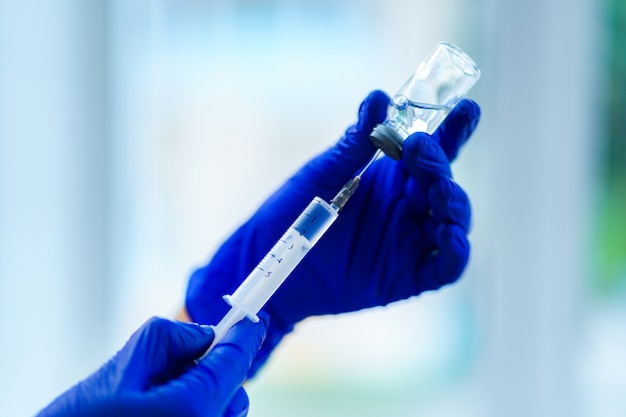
point(404, 231)
point(155, 374)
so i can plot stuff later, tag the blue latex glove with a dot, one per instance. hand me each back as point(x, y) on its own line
point(403, 232)
point(155, 374)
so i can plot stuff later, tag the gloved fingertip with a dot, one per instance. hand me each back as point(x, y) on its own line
point(209, 330)
point(424, 156)
point(239, 405)
point(457, 127)
point(380, 101)
point(195, 336)
point(468, 107)
point(373, 110)
point(471, 110)
point(248, 333)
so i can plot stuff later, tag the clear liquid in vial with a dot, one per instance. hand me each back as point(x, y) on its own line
point(406, 116)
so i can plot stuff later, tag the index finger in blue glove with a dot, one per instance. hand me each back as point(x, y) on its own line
point(160, 349)
point(457, 127)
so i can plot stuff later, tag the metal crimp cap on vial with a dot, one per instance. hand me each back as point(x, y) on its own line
point(388, 140)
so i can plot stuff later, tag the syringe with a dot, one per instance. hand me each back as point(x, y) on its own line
point(284, 256)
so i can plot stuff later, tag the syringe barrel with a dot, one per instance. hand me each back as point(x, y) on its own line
point(284, 256)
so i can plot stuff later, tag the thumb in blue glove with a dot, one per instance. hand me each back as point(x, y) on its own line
point(155, 374)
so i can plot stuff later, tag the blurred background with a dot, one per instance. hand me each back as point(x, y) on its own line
point(135, 136)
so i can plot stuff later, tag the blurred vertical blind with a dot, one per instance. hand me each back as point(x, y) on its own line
point(52, 198)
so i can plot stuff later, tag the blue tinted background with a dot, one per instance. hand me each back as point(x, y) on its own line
point(135, 136)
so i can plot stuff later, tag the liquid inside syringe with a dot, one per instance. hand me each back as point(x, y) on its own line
point(283, 258)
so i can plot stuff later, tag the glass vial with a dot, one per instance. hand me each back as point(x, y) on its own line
point(438, 84)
